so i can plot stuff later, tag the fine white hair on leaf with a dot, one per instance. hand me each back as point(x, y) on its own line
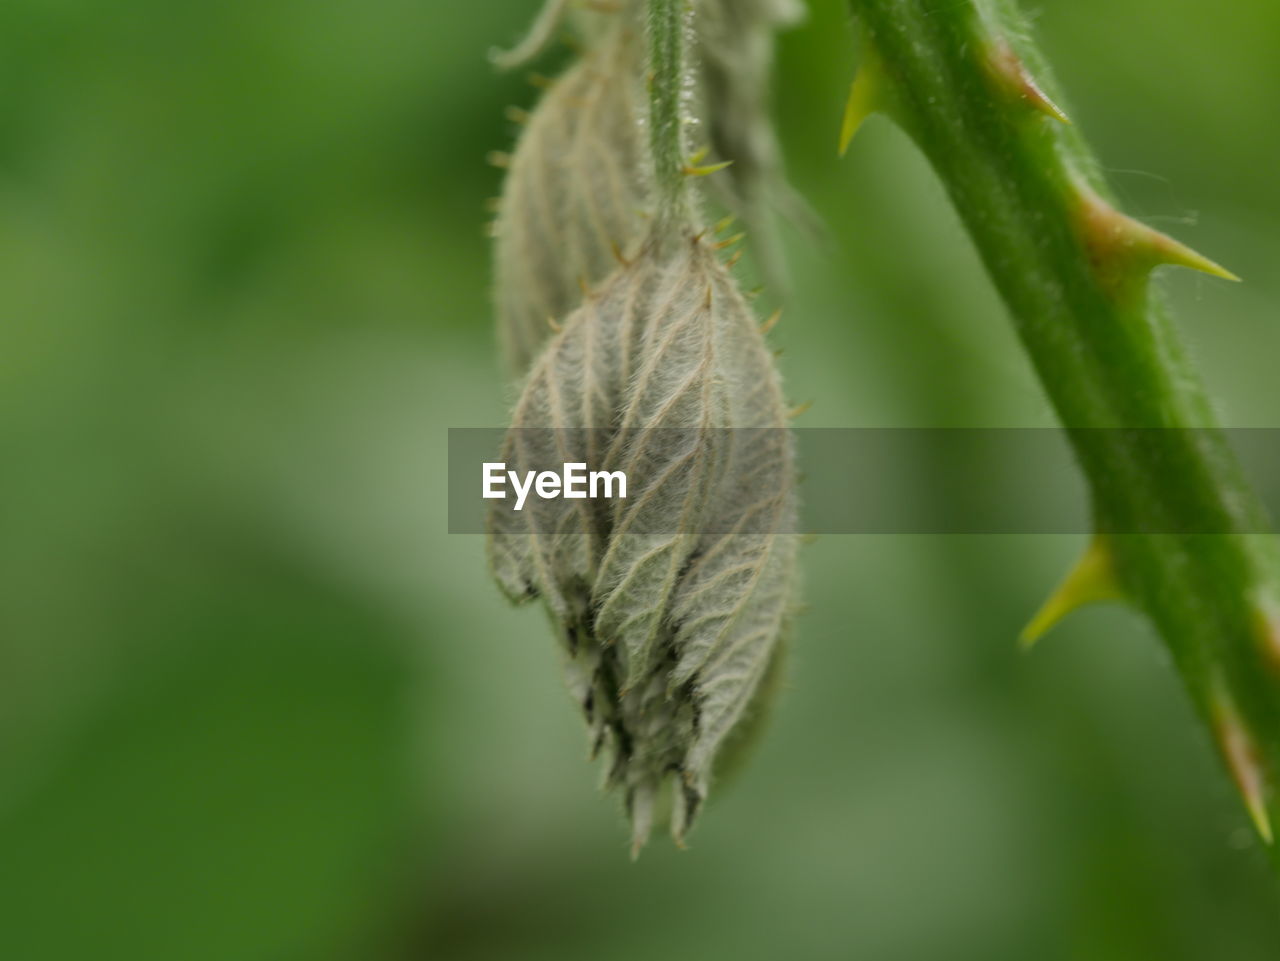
point(536, 39)
point(735, 46)
point(670, 603)
point(574, 198)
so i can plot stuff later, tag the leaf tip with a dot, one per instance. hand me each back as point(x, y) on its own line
point(640, 810)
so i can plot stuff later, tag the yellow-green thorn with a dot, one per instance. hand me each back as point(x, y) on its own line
point(1180, 255)
point(1267, 631)
point(1261, 820)
point(1123, 250)
point(799, 409)
point(1040, 100)
point(1092, 580)
point(866, 96)
point(1011, 74)
point(694, 169)
point(1243, 761)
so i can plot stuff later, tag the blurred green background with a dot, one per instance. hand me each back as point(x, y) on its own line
point(255, 703)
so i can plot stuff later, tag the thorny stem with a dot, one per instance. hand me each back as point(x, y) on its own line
point(967, 86)
point(666, 113)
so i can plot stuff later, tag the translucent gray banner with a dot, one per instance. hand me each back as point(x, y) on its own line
point(862, 480)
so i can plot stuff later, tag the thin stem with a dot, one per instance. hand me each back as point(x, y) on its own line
point(975, 96)
point(666, 112)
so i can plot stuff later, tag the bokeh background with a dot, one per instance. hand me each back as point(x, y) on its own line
point(256, 704)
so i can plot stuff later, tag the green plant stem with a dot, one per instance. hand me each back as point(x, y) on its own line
point(1073, 272)
point(666, 113)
